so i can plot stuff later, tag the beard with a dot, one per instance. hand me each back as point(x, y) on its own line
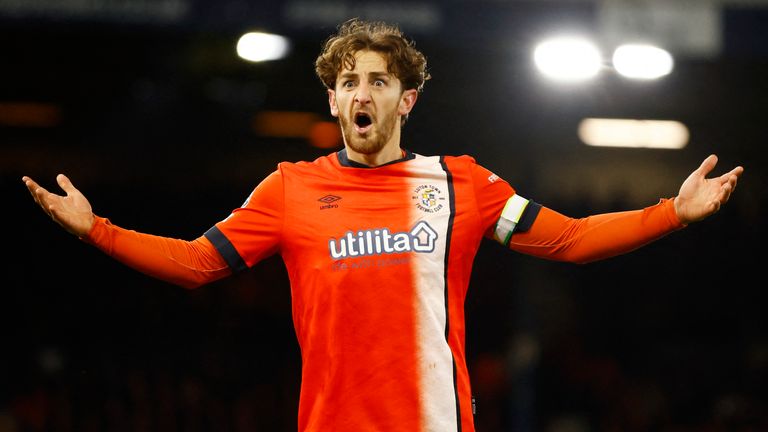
point(372, 141)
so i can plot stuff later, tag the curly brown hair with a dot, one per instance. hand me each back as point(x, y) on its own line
point(403, 60)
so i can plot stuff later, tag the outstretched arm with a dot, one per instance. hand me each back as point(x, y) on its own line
point(184, 263)
point(559, 237)
point(700, 197)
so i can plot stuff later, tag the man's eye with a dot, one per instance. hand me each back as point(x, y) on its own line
point(379, 83)
point(348, 84)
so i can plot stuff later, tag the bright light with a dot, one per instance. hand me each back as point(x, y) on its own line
point(568, 59)
point(642, 61)
point(666, 134)
point(258, 47)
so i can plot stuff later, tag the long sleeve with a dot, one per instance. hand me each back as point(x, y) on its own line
point(185, 263)
point(581, 240)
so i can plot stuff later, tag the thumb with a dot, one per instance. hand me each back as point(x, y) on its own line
point(707, 165)
point(65, 184)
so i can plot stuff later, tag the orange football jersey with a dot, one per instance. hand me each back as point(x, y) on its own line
point(379, 261)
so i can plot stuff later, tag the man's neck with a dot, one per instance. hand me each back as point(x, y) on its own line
point(384, 156)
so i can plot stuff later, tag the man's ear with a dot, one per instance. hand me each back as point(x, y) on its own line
point(332, 103)
point(407, 101)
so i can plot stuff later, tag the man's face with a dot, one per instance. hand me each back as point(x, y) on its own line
point(369, 102)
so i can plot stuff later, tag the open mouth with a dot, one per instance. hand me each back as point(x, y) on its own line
point(363, 121)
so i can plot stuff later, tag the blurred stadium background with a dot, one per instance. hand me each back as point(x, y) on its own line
point(147, 107)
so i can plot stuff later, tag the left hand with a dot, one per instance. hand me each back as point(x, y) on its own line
point(700, 197)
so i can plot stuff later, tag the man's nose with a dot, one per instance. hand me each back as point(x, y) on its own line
point(363, 95)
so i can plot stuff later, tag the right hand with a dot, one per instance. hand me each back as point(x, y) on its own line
point(73, 211)
point(700, 197)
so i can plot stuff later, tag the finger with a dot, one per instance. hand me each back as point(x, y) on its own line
point(707, 165)
point(731, 178)
point(735, 173)
point(716, 206)
point(738, 171)
point(732, 181)
point(725, 192)
point(35, 190)
point(29, 183)
point(44, 204)
point(43, 198)
point(39, 194)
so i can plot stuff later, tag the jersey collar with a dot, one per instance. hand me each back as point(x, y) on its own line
point(345, 161)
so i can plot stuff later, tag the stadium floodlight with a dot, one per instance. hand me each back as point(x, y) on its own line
point(642, 61)
point(258, 47)
point(661, 134)
point(568, 58)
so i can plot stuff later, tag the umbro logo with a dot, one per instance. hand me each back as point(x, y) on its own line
point(329, 201)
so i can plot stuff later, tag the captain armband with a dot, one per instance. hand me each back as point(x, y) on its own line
point(518, 216)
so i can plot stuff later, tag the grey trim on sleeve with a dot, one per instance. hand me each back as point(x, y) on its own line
point(225, 248)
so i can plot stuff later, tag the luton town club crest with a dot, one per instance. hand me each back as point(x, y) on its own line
point(428, 198)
